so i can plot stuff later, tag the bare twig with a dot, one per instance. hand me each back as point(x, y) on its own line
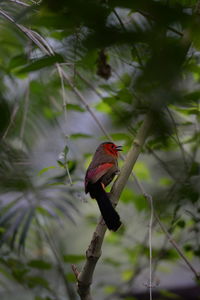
point(20, 2)
point(25, 110)
point(82, 99)
point(176, 246)
point(178, 139)
point(63, 91)
point(148, 15)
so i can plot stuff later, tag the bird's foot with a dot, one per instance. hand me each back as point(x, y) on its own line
point(117, 172)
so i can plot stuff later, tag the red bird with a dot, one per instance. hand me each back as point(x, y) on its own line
point(100, 173)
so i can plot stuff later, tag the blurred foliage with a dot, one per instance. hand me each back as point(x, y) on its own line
point(60, 60)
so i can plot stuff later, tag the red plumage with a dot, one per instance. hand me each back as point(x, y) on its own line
point(100, 173)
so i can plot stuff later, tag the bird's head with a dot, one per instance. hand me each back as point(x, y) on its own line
point(110, 148)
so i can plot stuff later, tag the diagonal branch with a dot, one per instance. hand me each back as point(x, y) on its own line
point(93, 253)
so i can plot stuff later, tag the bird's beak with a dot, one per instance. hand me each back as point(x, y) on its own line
point(119, 148)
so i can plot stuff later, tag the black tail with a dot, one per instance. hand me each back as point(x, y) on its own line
point(108, 212)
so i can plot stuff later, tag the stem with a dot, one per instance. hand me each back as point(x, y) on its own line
point(20, 3)
point(150, 247)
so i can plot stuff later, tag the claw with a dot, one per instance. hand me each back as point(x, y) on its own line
point(103, 186)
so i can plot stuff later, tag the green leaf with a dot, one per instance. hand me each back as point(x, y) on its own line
point(103, 107)
point(76, 136)
point(188, 247)
point(44, 170)
point(73, 258)
point(76, 107)
point(194, 96)
point(72, 165)
point(126, 79)
point(129, 196)
point(39, 264)
point(43, 211)
point(113, 238)
point(71, 277)
point(169, 295)
point(197, 252)
point(40, 63)
point(124, 95)
point(26, 227)
point(168, 254)
point(18, 61)
point(35, 281)
point(181, 223)
point(112, 261)
point(60, 163)
point(127, 274)
point(110, 289)
point(141, 171)
point(165, 181)
point(42, 298)
point(109, 100)
point(120, 137)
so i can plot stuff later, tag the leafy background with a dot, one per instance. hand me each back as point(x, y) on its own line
point(73, 74)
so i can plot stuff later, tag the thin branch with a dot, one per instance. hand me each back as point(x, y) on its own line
point(29, 33)
point(124, 28)
point(99, 94)
point(12, 118)
point(177, 137)
point(63, 91)
point(20, 2)
point(82, 99)
point(176, 246)
point(25, 110)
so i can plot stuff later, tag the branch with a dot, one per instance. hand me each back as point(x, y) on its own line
point(148, 15)
point(20, 2)
point(84, 278)
point(176, 246)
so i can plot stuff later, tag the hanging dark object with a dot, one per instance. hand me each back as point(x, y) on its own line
point(103, 68)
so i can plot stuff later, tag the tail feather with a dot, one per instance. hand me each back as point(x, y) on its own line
point(108, 212)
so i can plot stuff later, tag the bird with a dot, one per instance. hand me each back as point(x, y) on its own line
point(101, 171)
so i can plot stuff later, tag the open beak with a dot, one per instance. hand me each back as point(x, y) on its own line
point(119, 148)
